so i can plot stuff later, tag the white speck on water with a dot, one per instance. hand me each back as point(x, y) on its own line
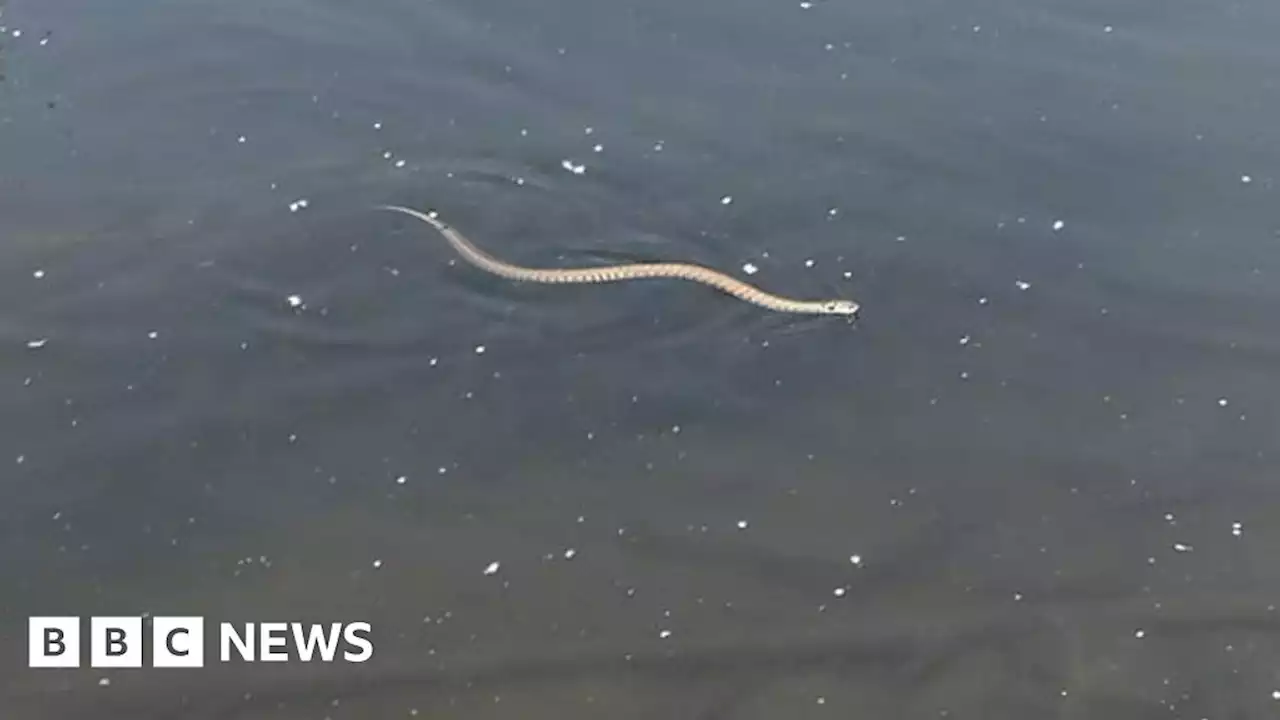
point(1140, 634)
point(588, 130)
point(479, 349)
point(153, 334)
point(38, 274)
point(964, 340)
point(838, 592)
point(750, 269)
point(1022, 285)
point(597, 148)
point(1246, 179)
point(570, 553)
point(442, 470)
point(1057, 225)
point(742, 524)
point(401, 480)
point(492, 568)
point(808, 263)
point(44, 41)
point(377, 126)
point(295, 301)
point(1275, 694)
point(664, 634)
point(982, 301)
point(1107, 29)
point(1181, 547)
point(848, 274)
point(524, 132)
point(377, 564)
point(1222, 402)
point(675, 429)
point(832, 212)
point(17, 33)
point(433, 362)
point(20, 459)
point(297, 205)
point(657, 147)
point(37, 344)
point(726, 199)
point(572, 167)
point(242, 139)
point(806, 5)
point(1237, 529)
point(104, 682)
point(900, 238)
point(855, 559)
point(400, 163)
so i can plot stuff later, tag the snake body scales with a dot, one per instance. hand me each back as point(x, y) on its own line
point(633, 271)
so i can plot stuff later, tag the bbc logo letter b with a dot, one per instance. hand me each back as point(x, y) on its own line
point(115, 642)
point(53, 642)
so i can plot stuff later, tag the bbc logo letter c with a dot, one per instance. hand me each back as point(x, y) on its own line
point(177, 642)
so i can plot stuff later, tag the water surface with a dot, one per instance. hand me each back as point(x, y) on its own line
point(1036, 478)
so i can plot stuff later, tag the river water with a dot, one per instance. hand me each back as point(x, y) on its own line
point(1035, 478)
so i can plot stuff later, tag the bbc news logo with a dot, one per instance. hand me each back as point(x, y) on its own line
point(178, 642)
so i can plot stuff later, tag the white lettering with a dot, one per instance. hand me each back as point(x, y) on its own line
point(352, 634)
point(229, 636)
point(315, 636)
point(272, 638)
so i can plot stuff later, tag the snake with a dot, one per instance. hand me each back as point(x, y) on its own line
point(631, 271)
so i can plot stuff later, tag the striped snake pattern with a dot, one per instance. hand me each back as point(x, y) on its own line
point(615, 273)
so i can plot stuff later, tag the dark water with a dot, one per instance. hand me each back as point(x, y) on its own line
point(1037, 478)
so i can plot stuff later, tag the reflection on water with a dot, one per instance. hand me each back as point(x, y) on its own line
point(1035, 477)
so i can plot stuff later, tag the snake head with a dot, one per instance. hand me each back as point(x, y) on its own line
point(840, 307)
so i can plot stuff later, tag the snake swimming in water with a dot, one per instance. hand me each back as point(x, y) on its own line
point(615, 273)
